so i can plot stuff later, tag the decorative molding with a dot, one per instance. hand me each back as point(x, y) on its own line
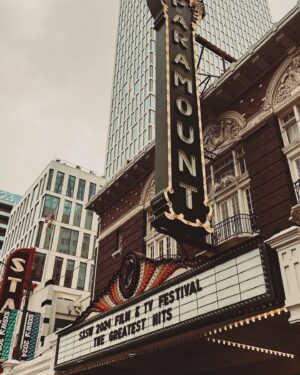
point(295, 214)
point(148, 192)
point(226, 181)
point(224, 130)
point(289, 81)
point(283, 90)
point(287, 245)
point(283, 83)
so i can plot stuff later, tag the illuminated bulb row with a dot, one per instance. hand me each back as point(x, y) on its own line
point(250, 347)
point(247, 321)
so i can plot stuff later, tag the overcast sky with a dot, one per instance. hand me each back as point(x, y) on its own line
point(56, 67)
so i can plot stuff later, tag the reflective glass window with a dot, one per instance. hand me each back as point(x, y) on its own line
point(81, 276)
point(59, 182)
point(81, 189)
point(51, 204)
point(88, 220)
point(56, 276)
point(85, 246)
point(77, 215)
point(38, 266)
point(67, 212)
point(70, 187)
point(69, 273)
point(67, 243)
point(92, 190)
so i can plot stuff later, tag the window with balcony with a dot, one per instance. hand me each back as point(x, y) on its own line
point(228, 186)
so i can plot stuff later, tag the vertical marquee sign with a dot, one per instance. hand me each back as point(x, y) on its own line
point(15, 278)
point(180, 202)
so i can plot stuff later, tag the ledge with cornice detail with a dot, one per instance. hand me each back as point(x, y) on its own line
point(287, 245)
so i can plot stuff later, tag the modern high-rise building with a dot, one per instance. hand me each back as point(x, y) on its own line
point(231, 25)
point(7, 203)
point(52, 217)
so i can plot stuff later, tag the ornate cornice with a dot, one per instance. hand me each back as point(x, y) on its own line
point(148, 192)
point(224, 130)
point(283, 83)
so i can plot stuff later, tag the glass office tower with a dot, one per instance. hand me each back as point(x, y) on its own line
point(232, 25)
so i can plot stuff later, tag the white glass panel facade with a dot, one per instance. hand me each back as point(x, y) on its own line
point(232, 25)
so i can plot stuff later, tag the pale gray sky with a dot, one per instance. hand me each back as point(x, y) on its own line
point(56, 67)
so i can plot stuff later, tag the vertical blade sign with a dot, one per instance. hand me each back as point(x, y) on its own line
point(15, 278)
point(180, 201)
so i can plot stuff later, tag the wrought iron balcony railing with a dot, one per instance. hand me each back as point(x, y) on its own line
point(297, 190)
point(231, 227)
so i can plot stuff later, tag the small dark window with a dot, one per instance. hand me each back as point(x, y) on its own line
point(57, 270)
point(38, 266)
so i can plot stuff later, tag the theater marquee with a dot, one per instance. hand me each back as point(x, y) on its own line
point(230, 285)
point(180, 201)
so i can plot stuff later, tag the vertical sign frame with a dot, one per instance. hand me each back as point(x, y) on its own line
point(180, 205)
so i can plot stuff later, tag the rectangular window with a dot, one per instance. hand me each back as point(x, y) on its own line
point(289, 122)
point(81, 190)
point(67, 212)
point(39, 234)
point(58, 263)
point(69, 273)
point(92, 190)
point(169, 252)
point(152, 251)
point(38, 266)
point(81, 276)
point(91, 282)
point(34, 196)
point(48, 238)
point(85, 246)
point(223, 168)
point(70, 187)
point(59, 182)
point(297, 161)
point(51, 204)
point(77, 215)
point(88, 220)
point(161, 248)
point(240, 156)
point(67, 243)
point(49, 181)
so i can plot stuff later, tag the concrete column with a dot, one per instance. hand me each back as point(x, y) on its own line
point(287, 245)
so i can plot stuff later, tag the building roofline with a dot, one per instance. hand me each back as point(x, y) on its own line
point(275, 29)
point(118, 176)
